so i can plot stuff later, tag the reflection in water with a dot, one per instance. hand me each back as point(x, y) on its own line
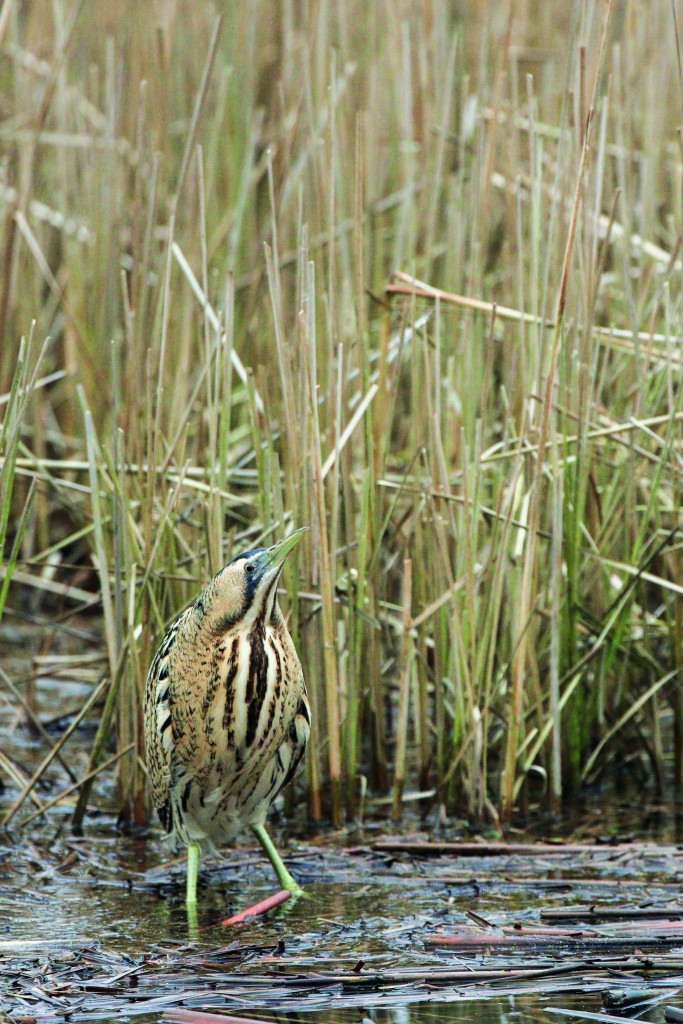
point(118, 894)
point(506, 1010)
point(113, 892)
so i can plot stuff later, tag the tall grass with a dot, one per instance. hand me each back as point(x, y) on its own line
point(406, 273)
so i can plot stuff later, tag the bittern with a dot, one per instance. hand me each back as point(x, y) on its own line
point(226, 713)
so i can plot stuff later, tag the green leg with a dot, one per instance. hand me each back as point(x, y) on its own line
point(192, 872)
point(284, 877)
point(192, 926)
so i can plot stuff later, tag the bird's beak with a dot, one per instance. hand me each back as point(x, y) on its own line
point(276, 555)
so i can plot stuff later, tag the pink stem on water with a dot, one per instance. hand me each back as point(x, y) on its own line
point(259, 908)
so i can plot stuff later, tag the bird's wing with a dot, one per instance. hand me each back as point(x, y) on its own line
point(291, 753)
point(158, 728)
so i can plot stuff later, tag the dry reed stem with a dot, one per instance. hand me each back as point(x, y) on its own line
point(404, 692)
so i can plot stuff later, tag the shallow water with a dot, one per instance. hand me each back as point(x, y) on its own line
point(95, 928)
point(111, 902)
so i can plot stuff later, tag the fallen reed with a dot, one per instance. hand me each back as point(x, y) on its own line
point(404, 273)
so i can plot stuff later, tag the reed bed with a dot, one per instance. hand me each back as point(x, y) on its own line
point(407, 273)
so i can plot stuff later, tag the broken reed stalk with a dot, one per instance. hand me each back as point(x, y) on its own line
point(33, 718)
point(47, 760)
point(79, 785)
point(104, 729)
point(15, 774)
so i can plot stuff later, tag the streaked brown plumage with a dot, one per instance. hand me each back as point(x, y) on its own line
point(227, 718)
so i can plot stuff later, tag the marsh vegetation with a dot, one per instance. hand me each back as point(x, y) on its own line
point(407, 273)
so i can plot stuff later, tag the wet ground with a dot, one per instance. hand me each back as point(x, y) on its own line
point(95, 928)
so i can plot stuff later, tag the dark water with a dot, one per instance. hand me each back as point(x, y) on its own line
point(112, 899)
point(95, 928)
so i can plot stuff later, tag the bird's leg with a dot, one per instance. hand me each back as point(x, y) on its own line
point(284, 877)
point(192, 872)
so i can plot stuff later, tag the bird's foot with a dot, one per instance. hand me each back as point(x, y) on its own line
point(289, 883)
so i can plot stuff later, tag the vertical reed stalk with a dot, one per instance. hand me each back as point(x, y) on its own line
point(525, 604)
point(326, 563)
point(404, 692)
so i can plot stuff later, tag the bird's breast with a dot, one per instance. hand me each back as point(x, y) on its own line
point(257, 687)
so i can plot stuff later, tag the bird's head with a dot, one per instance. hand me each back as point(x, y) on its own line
point(247, 586)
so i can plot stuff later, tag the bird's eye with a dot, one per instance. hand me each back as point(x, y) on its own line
point(249, 569)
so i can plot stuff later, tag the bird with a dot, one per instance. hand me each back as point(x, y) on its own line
point(226, 712)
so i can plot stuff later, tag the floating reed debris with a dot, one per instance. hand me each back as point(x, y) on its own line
point(103, 981)
point(201, 1017)
point(609, 1018)
point(531, 942)
point(665, 913)
point(483, 848)
point(259, 908)
point(320, 960)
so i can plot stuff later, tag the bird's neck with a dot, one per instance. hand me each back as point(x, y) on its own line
point(210, 617)
point(264, 612)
